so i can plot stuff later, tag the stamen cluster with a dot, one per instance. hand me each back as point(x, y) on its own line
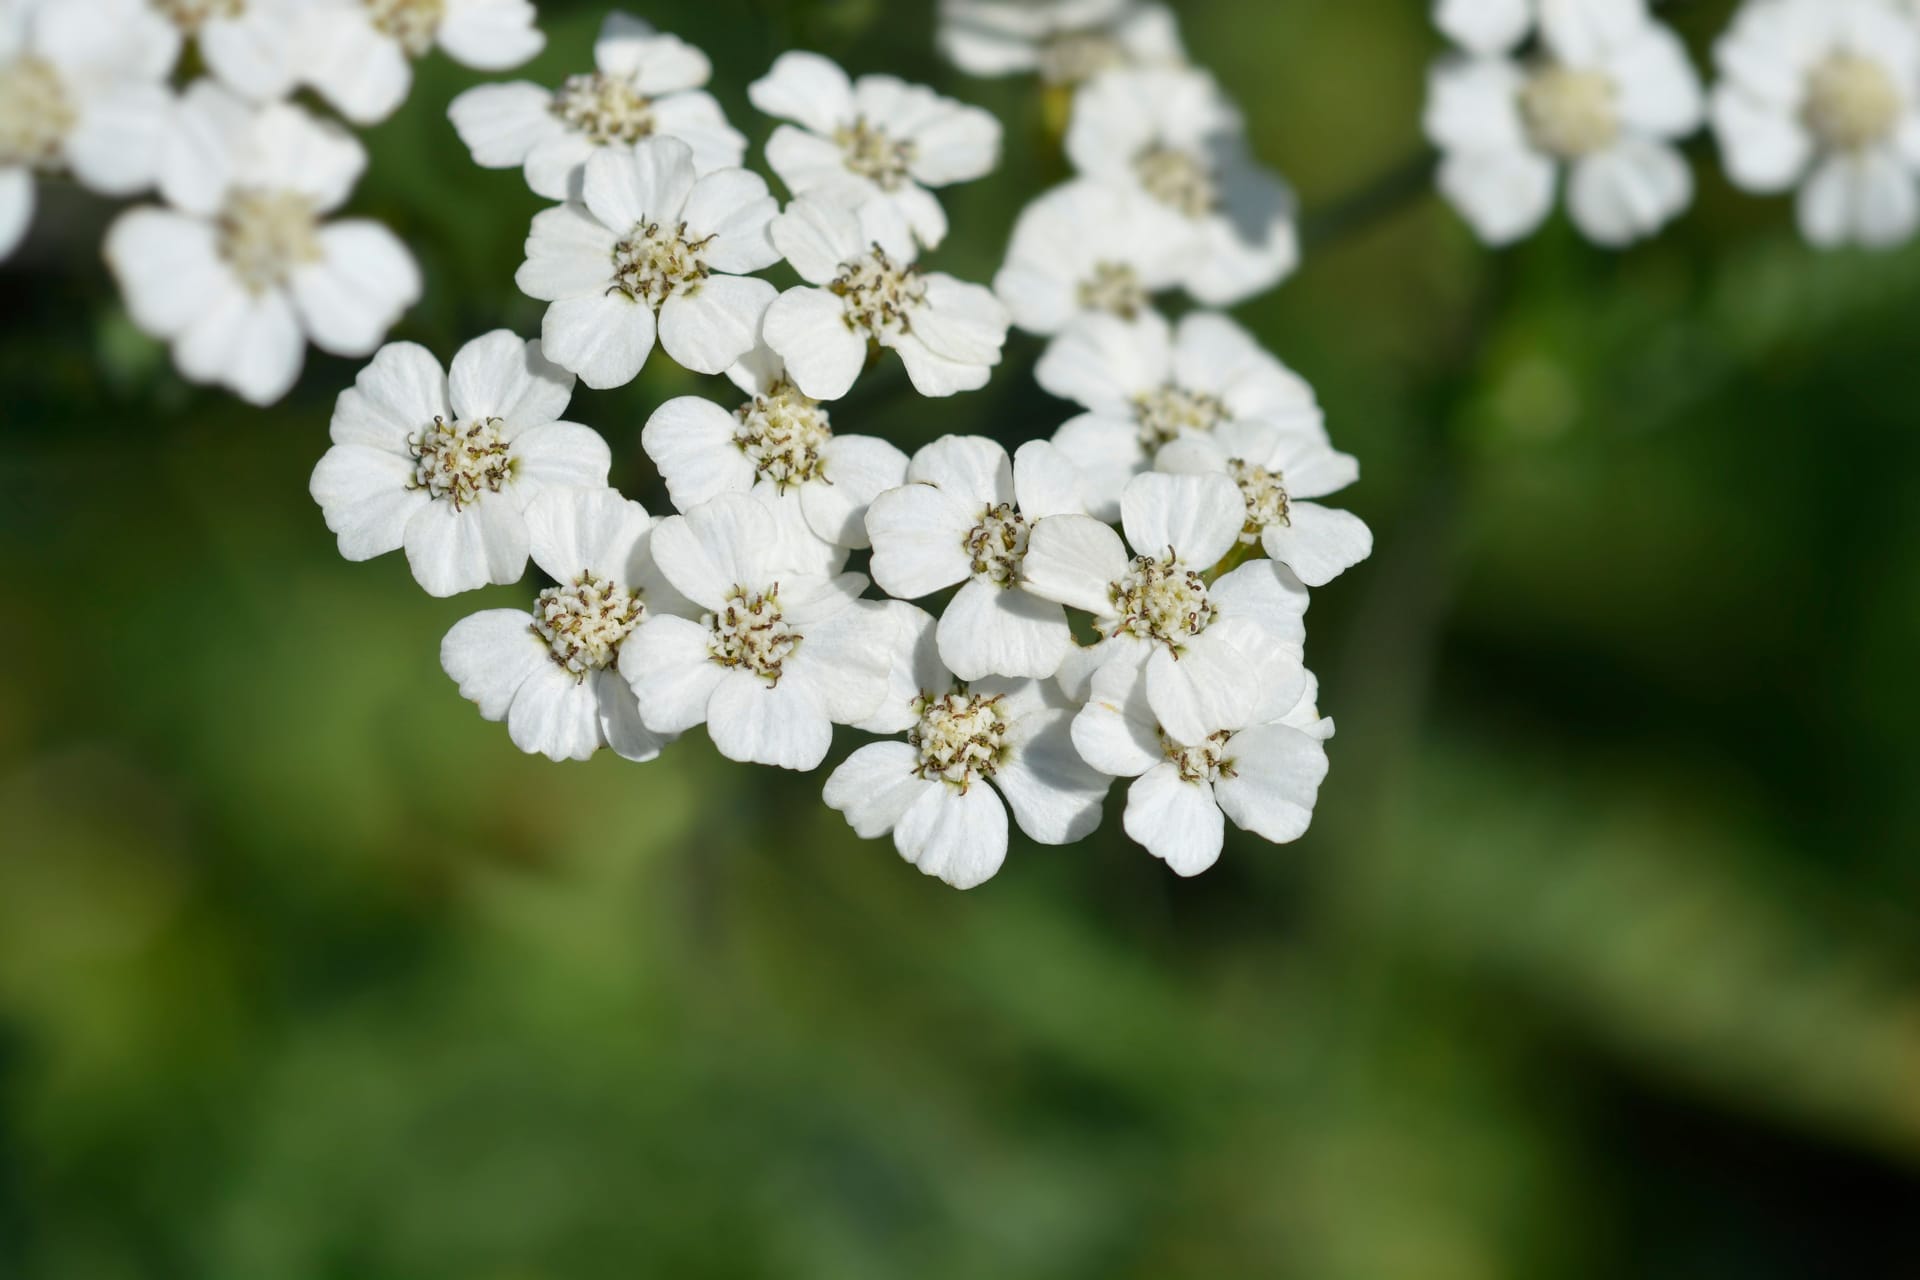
point(872, 153)
point(265, 236)
point(35, 113)
point(997, 545)
point(1206, 762)
point(880, 293)
point(1570, 112)
point(1851, 102)
point(459, 461)
point(1170, 412)
point(1114, 287)
point(584, 621)
point(1160, 599)
point(606, 108)
point(749, 633)
point(961, 737)
point(651, 264)
point(1265, 493)
point(1179, 180)
point(412, 23)
point(782, 433)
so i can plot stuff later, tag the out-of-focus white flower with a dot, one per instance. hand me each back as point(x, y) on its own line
point(779, 446)
point(551, 674)
point(644, 85)
point(936, 791)
point(965, 517)
point(242, 270)
point(1145, 384)
point(1213, 652)
point(1607, 96)
point(781, 654)
point(81, 92)
point(1278, 472)
point(358, 53)
point(1086, 248)
point(1265, 776)
point(445, 464)
point(877, 141)
point(1066, 41)
point(253, 47)
point(949, 334)
point(651, 248)
point(1172, 135)
point(1825, 94)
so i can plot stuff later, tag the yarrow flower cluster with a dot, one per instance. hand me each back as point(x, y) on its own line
point(1818, 95)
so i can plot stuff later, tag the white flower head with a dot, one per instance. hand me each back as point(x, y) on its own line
point(779, 446)
point(782, 652)
point(644, 84)
point(1173, 136)
point(445, 464)
point(965, 518)
point(1147, 383)
point(971, 752)
point(1825, 94)
point(1065, 41)
point(242, 271)
point(1606, 97)
point(1266, 776)
point(82, 92)
point(877, 141)
point(551, 672)
point(866, 288)
point(1086, 248)
point(1215, 652)
point(359, 53)
point(651, 249)
point(1279, 473)
point(253, 47)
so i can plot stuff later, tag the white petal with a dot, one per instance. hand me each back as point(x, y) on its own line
point(502, 123)
point(501, 375)
point(963, 322)
point(1628, 191)
point(1266, 595)
point(288, 149)
point(733, 207)
point(1108, 453)
point(816, 238)
point(1473, 105)
point(914, 670)
point(16, 207)
point(1659, 91)
point(1104, 362)
point(1074, 560)
point(620, 722)
point(556, 165)
point(1868, 199)
point(1208, 687)
point(250, 343)
point(919, 540)
point(576, 531)
point(168, 266)
point(1177, 822)
point(932, 374)
point(1198, 517)
point(658, 63)
point(808, 327)
point(565, 454)
point(814, 166)
point(875, 786)
point(973, 469)
point(650, 183)
point(115, 145)
point(490, 655)
point(555, 715)
point(569, 253)
point(490, 35)
point(961, 145)
point(846, 658)
point(690, 440)
point(1505, 195)
point(354, 294)
point(1047, 482)
point(708, 329)
point(1115, 733)
point(697, 120)
point(451, 549)
point(1764, 147)
point(1485, 26)
point(856, 469)
point(1277, 772)
point(670, 667)
point(725, 543)
point(806, 88)
point(1054, 794)
point(366, 497)
point(1318, 543)
point(402, 391)
point(960, 837)
point(605, 338)
point(989, 630)
point(781, 725)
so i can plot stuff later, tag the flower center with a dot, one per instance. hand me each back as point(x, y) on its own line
point(872, 153)
point(583, 622)
point(998, 544)
point(413, 23)
point(750, 635)
point(1265, 493)
point(880, 294)
point(265, 236)
point(1173, 411)
point(607, 109)
point(1851, 102)
point(1074, 57)
point(1207, 762)
point(651, 263)
point(1569, 112)
point(1178, 179)
point(1113, 287)
point(191, 15)
point(961, 737)
point(458, 461)
point(35, 113)
point(1160, 600)
point(782, 433)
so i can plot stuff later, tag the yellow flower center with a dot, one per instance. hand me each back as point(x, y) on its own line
point(961, 737)
point(1851, 102)
point(265, 236)
point(584, 621)
point(1568, 112)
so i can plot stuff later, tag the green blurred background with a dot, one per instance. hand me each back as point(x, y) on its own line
point(1599, 961)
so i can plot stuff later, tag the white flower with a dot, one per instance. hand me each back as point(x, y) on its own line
point(445, 464)
point(878, 141)
point(1085, 248)
point(81, 92)
point(1147, 383)
point(643, 85)
point(966, 517)
point(650, 248)
point(948, 334)
point(1277, 473)
point(1213, 652)
point(1172, 135)
point(779, 446)
point(550, 674)
point(1825, 94)
point(251, 46)
point(1265, 777)
point(781, 654)
point(936, 791)
point(1066, 41)
point(358, 52)
point(1608, 95)
point(242, 270)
